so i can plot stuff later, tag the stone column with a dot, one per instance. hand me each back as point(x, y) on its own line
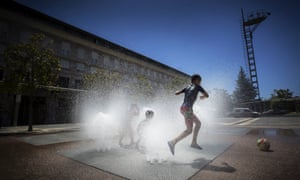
point(51, 108)
point(17, 109)
point(76, 109)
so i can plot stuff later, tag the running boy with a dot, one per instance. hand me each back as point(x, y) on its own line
point(190, 96)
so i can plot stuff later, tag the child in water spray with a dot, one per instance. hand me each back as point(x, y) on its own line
point(190, 96)
point(141, 130)
point(126, 124)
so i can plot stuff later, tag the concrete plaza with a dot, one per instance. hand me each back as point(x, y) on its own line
point(229, 152)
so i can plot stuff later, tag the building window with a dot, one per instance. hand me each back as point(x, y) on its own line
point(3, 31)
point(2, 48)
point(158, 75)
point(148, 72)
point(100, 60)
point(65, 48)
point(80, 67)
point(116, 64)
point(94, 58)
point(130, 67)
point(49, 42)
point(125, 65)
point(25, 36)
point(1, 74)
point(65, 63)
point(96, 41)
point(65, 52)
point(94, 61)
point(106, 61)
point(155, 74)
point(93, 70)
point(63, 81)
point(78, 84)
point(81, 53)
point(134, 68)
point(142, 70)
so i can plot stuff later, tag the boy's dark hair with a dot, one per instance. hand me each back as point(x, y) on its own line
point(195, 76)
point(149, 114)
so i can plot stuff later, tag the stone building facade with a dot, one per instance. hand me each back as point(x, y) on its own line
point(80, 52)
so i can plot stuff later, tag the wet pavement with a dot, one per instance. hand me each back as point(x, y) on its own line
point(62, 156)
point(131, 164)
point(46, 139)
point(40, 129)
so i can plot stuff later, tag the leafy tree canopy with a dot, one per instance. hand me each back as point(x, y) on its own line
point(28, 65)
point(103, 81)
point(282, 93)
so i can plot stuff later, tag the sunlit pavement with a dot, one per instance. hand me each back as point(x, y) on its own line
point(41, 129)
point(261, 122)
point(229, 152)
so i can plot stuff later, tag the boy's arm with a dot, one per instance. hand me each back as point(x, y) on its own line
point(205, 94)
point(179, 92)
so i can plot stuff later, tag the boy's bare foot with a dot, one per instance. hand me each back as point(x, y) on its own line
point(196, 146)
point(172, 147)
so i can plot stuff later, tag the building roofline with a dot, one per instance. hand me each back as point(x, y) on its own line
point(25, 10)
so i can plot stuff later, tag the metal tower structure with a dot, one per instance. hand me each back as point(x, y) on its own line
point(249, 24)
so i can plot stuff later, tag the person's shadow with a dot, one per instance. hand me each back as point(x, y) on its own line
point(224, 168)
point(203, 164)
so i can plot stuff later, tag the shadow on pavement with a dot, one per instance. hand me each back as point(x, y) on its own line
point(198, 164)
point(225, 168)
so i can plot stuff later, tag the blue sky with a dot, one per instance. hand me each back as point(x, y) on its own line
point(195, 36)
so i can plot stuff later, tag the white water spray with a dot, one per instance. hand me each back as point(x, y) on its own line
point(103, 123)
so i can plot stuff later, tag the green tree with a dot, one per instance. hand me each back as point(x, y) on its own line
point(244, 91)
point(101, 85)
point(282, 94)
point(28, 66)
point(104, 82)
point(175, 84)
point(143, 88)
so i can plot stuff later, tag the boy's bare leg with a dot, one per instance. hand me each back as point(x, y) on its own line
point(182, 136)
point(195, 135)
point(196, 131)
point(179, 138)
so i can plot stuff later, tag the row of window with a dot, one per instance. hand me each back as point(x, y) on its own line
point(99, 59)
point(117, 65)
point(78, 83)
point(67, 65)
point(65, 82)
point(62, 81)
point(93, 58)
point(1, 74)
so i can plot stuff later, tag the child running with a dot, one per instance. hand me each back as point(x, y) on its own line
point(190, 96)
